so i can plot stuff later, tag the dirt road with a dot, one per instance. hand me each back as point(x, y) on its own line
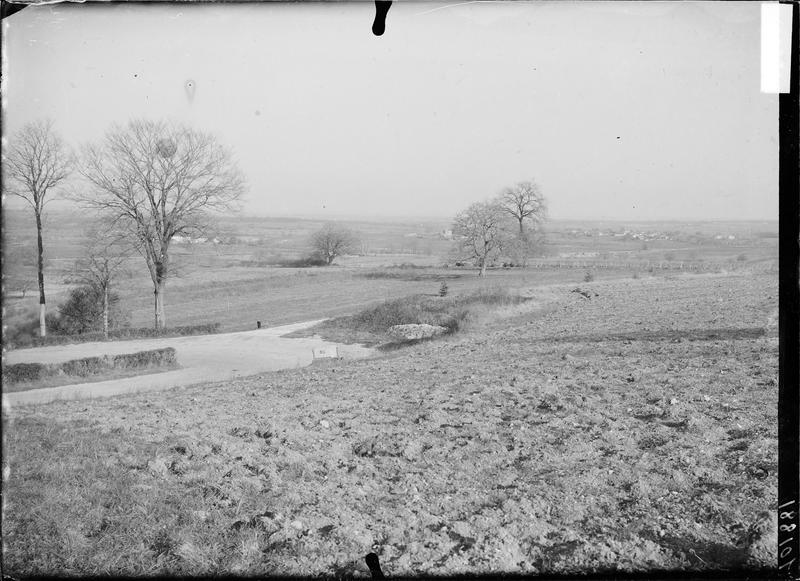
point(203, 358)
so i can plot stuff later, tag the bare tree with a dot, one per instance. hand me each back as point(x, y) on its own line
point(24, 287)
point(333, 240)
point(481, 232)
point(106, 253)
point(36, 161)
point(156, 180)
point(524, 202)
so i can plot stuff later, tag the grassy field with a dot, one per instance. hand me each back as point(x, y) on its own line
point(372, 326)
point(628, 428)
point(236, 283)
point(277, 296)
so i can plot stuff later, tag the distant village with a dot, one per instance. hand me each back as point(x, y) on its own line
point(623, 234)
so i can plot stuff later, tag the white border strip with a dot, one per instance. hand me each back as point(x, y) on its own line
point(776, 39)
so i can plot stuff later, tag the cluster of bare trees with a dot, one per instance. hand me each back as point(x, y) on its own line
point(107, 251)
point(508, 224)
point(150, 181)
point(147, 181)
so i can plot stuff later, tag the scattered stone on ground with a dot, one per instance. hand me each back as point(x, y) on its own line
point(412, 332)
point(523, 447)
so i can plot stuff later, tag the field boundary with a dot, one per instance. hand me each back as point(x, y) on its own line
point(760, 266)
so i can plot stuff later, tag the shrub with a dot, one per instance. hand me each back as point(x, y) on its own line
point(20, 372)
point(419, 309)
point(27, 336)
point(143, 359)
point(82, 312)
point(304, 262)
point(379, 274)
point(398, 312)
point(454, 321)
point(741, 258)
point(490, 297)
point(25, 372)
point(443, 289)
point(588, 277)
point(281, 261)
point(21, 332)
point(203, 329)
point(84, 367)
point(370, 326)
point(54, 339)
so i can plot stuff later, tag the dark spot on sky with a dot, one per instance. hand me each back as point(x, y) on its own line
point(190, 89)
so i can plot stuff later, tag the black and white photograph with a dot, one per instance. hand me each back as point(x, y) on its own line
point(372, 289)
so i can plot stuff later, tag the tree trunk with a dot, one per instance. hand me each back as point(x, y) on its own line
point(158, 273)
point(158, 291)
point(483, 268)
point(40, 265)
point(105, 312)
point(521, 228)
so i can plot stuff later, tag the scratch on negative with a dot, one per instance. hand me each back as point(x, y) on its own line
point(453, 5)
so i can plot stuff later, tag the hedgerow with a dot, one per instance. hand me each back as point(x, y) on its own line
point(19, 340)
point(88, 366)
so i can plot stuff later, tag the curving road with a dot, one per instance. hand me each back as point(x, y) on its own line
point(203, 358)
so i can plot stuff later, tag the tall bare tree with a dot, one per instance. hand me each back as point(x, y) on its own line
point(35, 162)
point(155, 180)
point(106, 253)
point(525, 203)
point(333, 240)
point(481, 232)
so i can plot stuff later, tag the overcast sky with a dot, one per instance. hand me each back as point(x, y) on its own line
point(623, 110)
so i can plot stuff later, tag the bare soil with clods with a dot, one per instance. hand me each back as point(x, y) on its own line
point(629, 427)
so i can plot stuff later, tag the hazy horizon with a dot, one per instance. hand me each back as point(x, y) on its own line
point(620, 111)
point(12, 204)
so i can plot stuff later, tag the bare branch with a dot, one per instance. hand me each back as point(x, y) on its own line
point(155, 180)
point(524, 202)
point(36, 161)
point(481, 232)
